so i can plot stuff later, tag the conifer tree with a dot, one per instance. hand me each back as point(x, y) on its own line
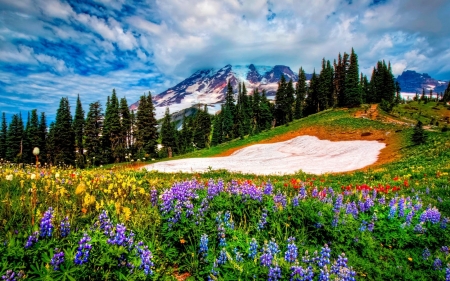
point(240, 115)
point(43, 138)
point(33, 135)
point(50, 145)
point(113, 130)
point(186, 135)
point(168, 133)
point(323, 87)
point(146, 127)
point(26, 143)
point(446, 97)
point(14, 139)
point(419, 136)
point(217, 129)
point(125, 119)
point(78, 127)
point(93, 131)
point(397, 91)
point(229, 115)
point(3, 134)
point(64, 136)
point(312, 101)
point(266, 115)
point(105, 139)
point(352, 87)
point(289, 102)
point(300, 94)
point(340, 76)
point(281, 102)
point(247, 110)
point(202, 129)
point(256, 109)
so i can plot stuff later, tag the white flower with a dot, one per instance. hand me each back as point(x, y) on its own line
point(57, 175)
point(33, 176)
point(9, 177)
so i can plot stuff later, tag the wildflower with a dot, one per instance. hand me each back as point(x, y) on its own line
point(302, 193)
point(273, 247)
point(338, 204)
point(83, 250)
point(9, 177)
point(274, 273)
point(295, 201)
point(447, 273)
point(430, 214)
point(382, 200)
point(105, 223)
point(204, 246)
point(280, 200)
point(145, 256)
point(335, 221)
point(253, 248)
point(120, 238)
point(268, 188)
point(409, 217)
point(57, 259)
point(214, 271)
point(33, 176)
point(291, 253)
point(297, 273)
point(221, 234)
point(363, 226)
point(425, 254)
point(12, 276)
point(324, 274)
point(222, 257)
point(314, 192)
point(238, 255)
point(65, 227)
point(46, 226)
point(445, 250)
point(324, 258)
point(401, 207)
point(154, 197)
point(370, 226)
point(444, 223)
point(437, 264)
point(263, 220)
point(33, 238)
point(267, 257)
point(419, 228)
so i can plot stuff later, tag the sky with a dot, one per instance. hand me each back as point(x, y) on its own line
point(51, 49)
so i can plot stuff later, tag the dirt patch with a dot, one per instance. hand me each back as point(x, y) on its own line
point(388, 154)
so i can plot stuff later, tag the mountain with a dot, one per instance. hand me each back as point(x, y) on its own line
point(412, 82)
point(209, 86)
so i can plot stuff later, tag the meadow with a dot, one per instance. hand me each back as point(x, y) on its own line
point(388, 221)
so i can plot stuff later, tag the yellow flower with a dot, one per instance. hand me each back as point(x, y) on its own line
point(81, 188)
point(410, 259)
point(127, 213)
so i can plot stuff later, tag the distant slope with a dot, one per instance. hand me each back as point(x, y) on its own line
point(412, 82)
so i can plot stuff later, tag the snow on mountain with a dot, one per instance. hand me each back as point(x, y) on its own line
point(209, 86)
point(412, 82)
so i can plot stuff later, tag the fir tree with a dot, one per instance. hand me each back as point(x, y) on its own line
point(43, 138)
point(26, 143)
point(64, 136)
point(113, 130)
point(300, 94)
point(3, 134)
point(78, 128)
point(229, 115)
point(146, 127)
point(126, 122)
point(281, 102)
point(168, 133)
point(446, 97)
point(419, 136)
point(352, 88)
point(289, 102)
point(217, 129)
point(323, 87)
point(93, 132)
point(202, 129)
point(14, 139)
point(312, 100)
point(256, 109)
point(186, 135)
point(33, 135)
point(266, 115)
point(50, 144)
point(397, 91)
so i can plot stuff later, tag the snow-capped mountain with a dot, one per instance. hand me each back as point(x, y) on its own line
point(412, 82)
point(209, 86)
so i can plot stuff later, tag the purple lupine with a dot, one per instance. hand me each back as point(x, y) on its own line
point(33, 238)
point(145, 256)
point(83, 250)
point(189, 209)
point(238, 255)
point(419, 228)
point(430, 214)
point(315, 192)
point(57, 259)
point(409, 217)
point(382, 200)
point(46, 225)
point(444, 223)
point(363, 226)
point(280, 200)
point(221, 235)
point(251, 191)
point(324, 257)
point(295, 202)
point(266, 257)
point(426, 254)
point(324, 274)
point(335, 221)
point(105, 223)
point(447, 272)
point(253, 249)
point(263, 220)
point(368, 204)
point(65, 227)
point(302, 193)
point(338, 204)
point(297, 273)
point(203, 246)
point(292, 251)
point(268, 188)
point(444, 249)
point(341, 262)
point(273, 247)
point(120, 238)
point(393, 208)
point(214, 271)
point(10, 275)
point(370, 226)
point(352, 209)
point(222, 257)
point(401, 207)
point(154, 197)
point(274, 273)
point(437, 264)
point(214, 189)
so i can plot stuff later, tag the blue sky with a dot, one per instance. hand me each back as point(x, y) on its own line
point(55, 48)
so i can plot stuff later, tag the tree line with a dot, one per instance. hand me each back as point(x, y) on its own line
point(117, 134)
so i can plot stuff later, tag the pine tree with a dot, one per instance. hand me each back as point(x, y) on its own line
point(43, 138)
point(50, 144)
point(300, 94)
point(33, 135)
point(312, 101)
point(352, 86)
point(289, 102)
point(419, 136)
point(365, 89)
point(446, 97)
point(125, 119)
point(168, 131)
point(14, 139)
point(217, 129)
point(266, 113)
point(105, 139)
point(256, 109)
point(64, 135)
point(202, 129)
point(3, 134)
point(340, 76)
point(146, 127)
point(93, 132)
point(397, 91)
point(281, 102)
point(186, 135)
point(323, 87)
point(240, 115)
point(113, 130)
point(27, 148)
point(78, 128)
point(229, 113)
